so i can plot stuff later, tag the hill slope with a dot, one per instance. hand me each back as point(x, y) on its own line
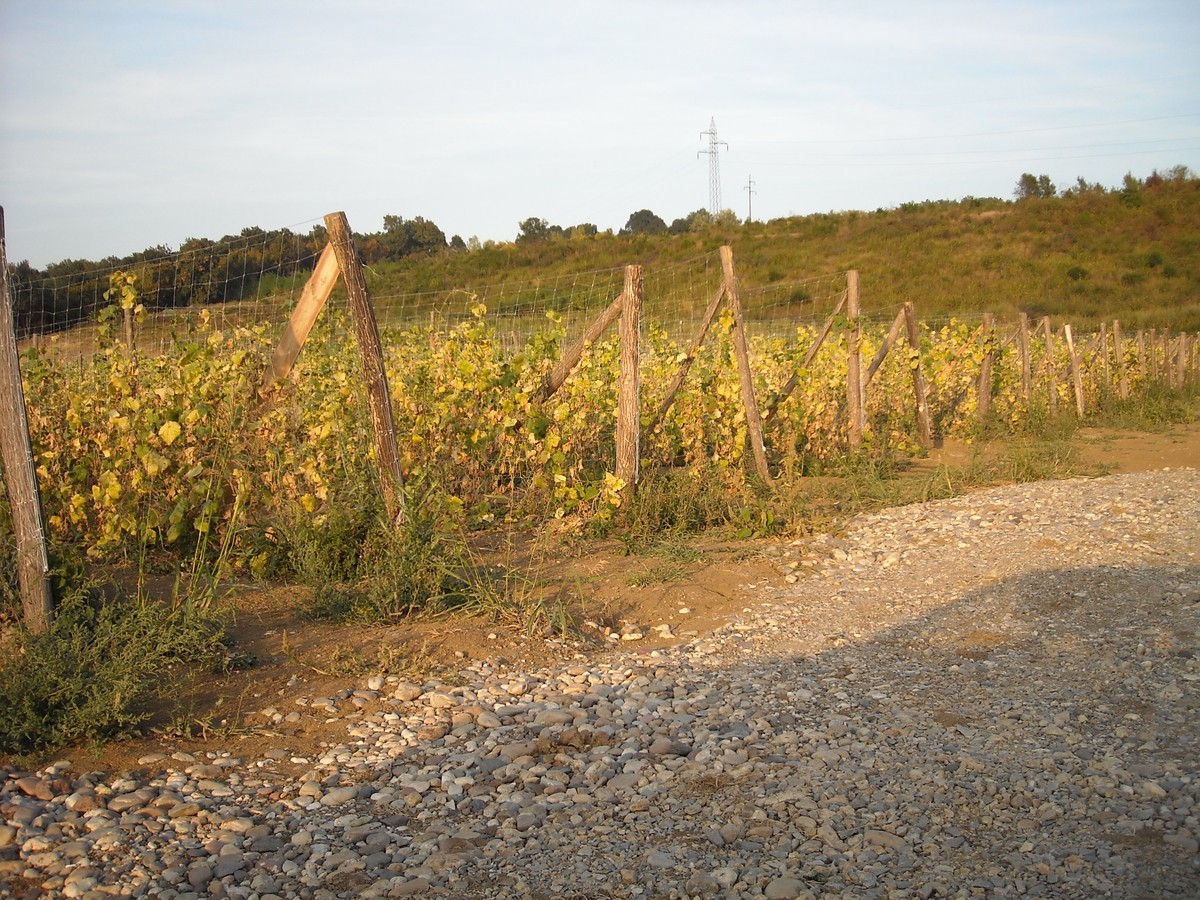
point(1131, 254)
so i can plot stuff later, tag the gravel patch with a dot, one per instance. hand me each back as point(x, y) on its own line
point(990, 696)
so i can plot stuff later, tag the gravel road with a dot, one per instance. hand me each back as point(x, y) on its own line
point(991, 696)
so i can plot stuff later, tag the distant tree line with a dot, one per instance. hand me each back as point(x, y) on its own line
point(201, 271)
point(1031, 187)
point(644, 221)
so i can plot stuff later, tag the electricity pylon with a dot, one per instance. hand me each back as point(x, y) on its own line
point(714, 167)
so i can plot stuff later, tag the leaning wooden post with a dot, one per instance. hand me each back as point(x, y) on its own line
point(686, 363)
point(1051, 377)
point(884, 349)
point(1105, 372)
point(628, 405)
point(924, 425)
point(370, 349)
point(854, 394)
point(570, 358)
point(1076, 378)
point(1141, 355)
point(20, 475)
point(1026, 362)
point(818, 341)
point(1119, 357)
point(741, 349)
point(312, 300)
point(985, 366)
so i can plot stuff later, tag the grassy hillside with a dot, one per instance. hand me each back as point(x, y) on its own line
point(1131, 254)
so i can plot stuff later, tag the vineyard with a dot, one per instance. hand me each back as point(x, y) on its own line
point(176, 450)
point(250, 441)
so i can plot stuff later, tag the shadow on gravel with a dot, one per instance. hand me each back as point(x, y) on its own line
point(1059, 710)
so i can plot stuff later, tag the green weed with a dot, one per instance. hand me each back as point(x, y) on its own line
point(95, 672)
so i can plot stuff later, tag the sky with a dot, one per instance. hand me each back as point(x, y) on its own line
point(128, 125)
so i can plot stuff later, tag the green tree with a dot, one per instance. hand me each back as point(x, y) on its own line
point(644, 222)
point(533, 230)
point(1031, 186)
point(582, 230)
point(692, 222)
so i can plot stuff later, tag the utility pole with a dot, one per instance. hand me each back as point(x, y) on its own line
point(714, 167)
point(750, 192)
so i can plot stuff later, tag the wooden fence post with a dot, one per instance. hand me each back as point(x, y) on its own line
point(1141, 355)
point(924, 426)
point(1052, 379)
point(1153, 353)
point(1181, 361)
point(1026, 361)
point(985, 367)
point(628, 406)
point(1119, 357)
point(1105, 372)
point(1076, 377)
point(20, 475)
point(854, 391)
point(741, 349)
point(366, 330)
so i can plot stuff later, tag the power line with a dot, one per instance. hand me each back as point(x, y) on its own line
point(942, 137)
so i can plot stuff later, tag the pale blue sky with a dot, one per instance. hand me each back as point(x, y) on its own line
point(125, 125)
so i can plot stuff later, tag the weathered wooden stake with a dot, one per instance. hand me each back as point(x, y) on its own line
point(924, 426)
point(312, 300)
point(1153, 353)
point(570, 359)
point(854, 390)
point(985, 367)
point(786, 390)
point(20, 475)
point(1105, 372)
point(1181, 361)
point(1076, 377)
point(881, 355)
point(686, 363)
point(628, 403)
point(370, 349)
point(741, 350)
point(1051, 377)
point(1119, 357)
point(1141, 355)
point(1026, 362)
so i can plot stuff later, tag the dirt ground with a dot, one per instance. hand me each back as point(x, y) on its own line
point(684, 590)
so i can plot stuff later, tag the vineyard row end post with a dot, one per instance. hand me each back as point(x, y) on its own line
point(985, 367)
point(1119, 356)
point(20, 474)
point(366, 330)
point(854, 384)
point(924, 425)
point(741, 349)
point(629, 384)
point(1026, 362)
